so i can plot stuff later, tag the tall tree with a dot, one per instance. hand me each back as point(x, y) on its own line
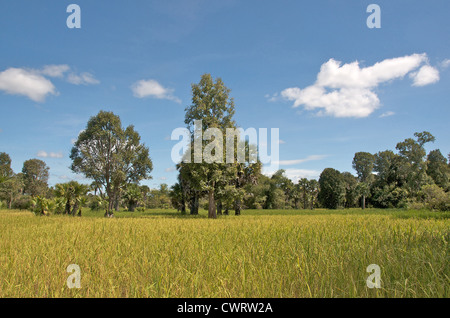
point(35, 177)
point(363, 163)
point(110, 155)
point(212, 105)
point(413, 154)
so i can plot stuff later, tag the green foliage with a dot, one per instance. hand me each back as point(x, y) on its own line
point(35, 177)
point(332, 189)
point(434, 198)
point(110, 155)
point(132, 196)
point(438, 169)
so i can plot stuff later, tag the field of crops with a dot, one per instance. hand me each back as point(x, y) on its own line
point(258, 254)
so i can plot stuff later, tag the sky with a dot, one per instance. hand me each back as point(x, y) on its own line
point(314, 69)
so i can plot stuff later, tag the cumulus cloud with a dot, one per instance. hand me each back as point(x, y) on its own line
point(82, 79)
point(34, 84)
point(425, 76)
point(151, 88)
point(44, 154)
point(346, 90)
point(17, 81)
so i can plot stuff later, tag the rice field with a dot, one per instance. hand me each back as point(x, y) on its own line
point(263, 254)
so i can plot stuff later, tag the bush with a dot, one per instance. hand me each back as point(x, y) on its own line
point(22, 203)
point(434, 197)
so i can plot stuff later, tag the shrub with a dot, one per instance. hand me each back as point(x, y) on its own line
point(22, 203)
point(434, 197)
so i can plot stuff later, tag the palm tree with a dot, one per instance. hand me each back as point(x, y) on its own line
point(78, 191)
point(73, 193)
point(65, 191)
point(132, 196)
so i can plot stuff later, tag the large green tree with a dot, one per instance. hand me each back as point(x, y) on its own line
point(212, 105)
point(35, 177)
point(332, 189)
point(111, 155)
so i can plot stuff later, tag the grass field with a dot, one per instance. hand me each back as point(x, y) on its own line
point(276, 253)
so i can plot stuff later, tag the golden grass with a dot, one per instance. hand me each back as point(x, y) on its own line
point(245, 256)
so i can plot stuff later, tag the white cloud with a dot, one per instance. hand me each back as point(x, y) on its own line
point(272, 98)
point(387, 114)
point(445, 63)
point(163, 178)
point(34, 84)
point(347, 90)
point(82, 79)
point(425, 76)
point(151, 88)
point(280, 142)
point(44, 154)
point(17, 81)
point(296, 174)
point(171, 169)
point(297, 161)
point(55, 70)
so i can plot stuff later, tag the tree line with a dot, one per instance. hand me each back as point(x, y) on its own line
point(116, 161)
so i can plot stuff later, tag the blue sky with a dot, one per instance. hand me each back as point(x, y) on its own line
point(353, 88)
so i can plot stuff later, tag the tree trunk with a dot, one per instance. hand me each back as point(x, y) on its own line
point(67, 209)
point(194, 204)
point(211, 205)
point(75, 208)
point(183, 205)
point(219, 208)
point(363, 202)
point(237, 207)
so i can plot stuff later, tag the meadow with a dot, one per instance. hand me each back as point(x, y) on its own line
point(262, 253)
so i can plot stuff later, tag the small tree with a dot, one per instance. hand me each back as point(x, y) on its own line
point(363, 164)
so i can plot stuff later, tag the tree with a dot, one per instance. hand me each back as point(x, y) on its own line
point(79, 197)
point(413, 153)
point(438, 169)
point(5, 167)
point(212, 105)
point(351, 190)
point(363, 164)
point(35, 177)
point(132, 196)
point(303, 187)
point(110, 155)
point(11, 189)
point(332, 189)
point(313, 190)
point(72, 193)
